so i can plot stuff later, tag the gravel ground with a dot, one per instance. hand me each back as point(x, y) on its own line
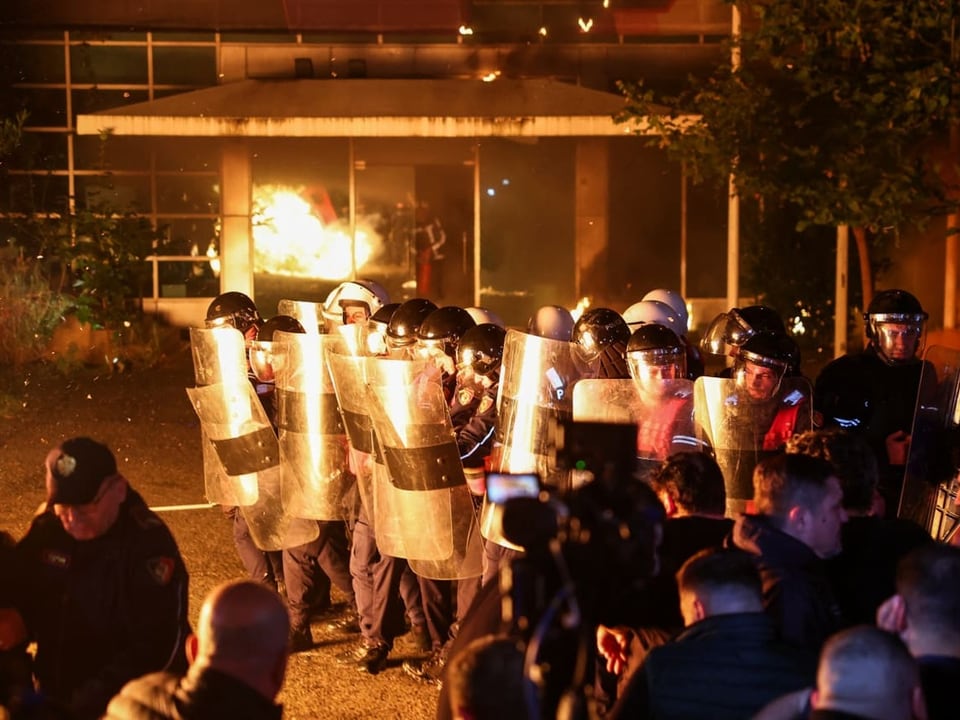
point(143, 414)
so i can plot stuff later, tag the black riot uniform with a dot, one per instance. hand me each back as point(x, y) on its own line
point(873, 393)
point(102, 611)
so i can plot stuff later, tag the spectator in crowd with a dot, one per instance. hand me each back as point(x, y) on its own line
point(728, 662)
point(925, 612)
point(866, 673)
point(99, 583)
point(862, 575)
point(238, 660)
point(799, 516)
point(486, 680)
point(691, 488)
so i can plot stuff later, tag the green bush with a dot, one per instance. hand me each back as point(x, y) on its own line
point(29, 310)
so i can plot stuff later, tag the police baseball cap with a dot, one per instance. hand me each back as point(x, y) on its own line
point(76, 469)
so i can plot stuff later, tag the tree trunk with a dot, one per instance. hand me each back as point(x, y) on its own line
point(863, 256)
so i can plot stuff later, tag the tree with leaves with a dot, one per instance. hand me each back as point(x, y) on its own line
point(836, 112)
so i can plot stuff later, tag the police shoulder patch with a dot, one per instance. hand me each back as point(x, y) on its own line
point(161, 569)
point(465, 396)
point(485, 404)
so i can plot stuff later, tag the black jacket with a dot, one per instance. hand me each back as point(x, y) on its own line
point(102, 611)
point(725, 666)
point(202, 695)
point(863, 575)
point(796, 592)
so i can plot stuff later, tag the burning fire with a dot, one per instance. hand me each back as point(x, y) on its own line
point(292, 238)
point(581, 307)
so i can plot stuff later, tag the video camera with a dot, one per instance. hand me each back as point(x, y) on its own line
point(589, 549)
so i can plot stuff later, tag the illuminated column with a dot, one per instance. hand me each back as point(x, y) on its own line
point(591, 200)
point(236, 242)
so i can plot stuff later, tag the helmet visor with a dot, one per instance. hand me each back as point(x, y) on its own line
point(758, 377)
point(899, 339)
point(262, 361)
point(652, 369)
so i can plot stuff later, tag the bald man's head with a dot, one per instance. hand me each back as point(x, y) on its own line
point(243, 631)
point(869, 672)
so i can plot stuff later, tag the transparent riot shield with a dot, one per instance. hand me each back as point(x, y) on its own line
point(929, 495)
point(241, 452)
point(536, 382)
point(438, 532)
point(742, 430)
point(663, 414)
point(389, 501)
point(220, 358)
point(310, 314)
point(348, 374)
point(313, 447)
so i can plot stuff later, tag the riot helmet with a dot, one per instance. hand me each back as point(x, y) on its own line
point(763, 360)
point(482, 315)
point(234, 309)
point(600, 341)
point(261, 354)
point(653, 311)
point(376, 342)
point(676, 303)
point(728, 331)
point(481, 349)
point(896, 324)
point(655, 353)
point(552, 322)
point(365, 294)
point(440, 333)
point(405, 322)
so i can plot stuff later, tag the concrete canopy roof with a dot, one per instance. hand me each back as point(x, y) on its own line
point(371, 108)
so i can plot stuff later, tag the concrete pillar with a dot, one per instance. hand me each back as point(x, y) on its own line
point(591, 207)
point(236, 241)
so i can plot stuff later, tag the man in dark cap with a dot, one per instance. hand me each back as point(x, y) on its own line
point(99, 583)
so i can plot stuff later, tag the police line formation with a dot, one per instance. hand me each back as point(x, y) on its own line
point(394, 416)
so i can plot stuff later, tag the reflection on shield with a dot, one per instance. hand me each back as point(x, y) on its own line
point(742, 431)
point(535, 396)
point(313, 448)
point(347, 373)
point(929, 495)
point(309, 314)
point(271, 526)
point(437, 530)
point(664, 416)
point(219, 358)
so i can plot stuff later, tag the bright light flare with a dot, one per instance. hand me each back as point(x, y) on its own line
point(585, 25)
point(582, 305)
point(290, 238)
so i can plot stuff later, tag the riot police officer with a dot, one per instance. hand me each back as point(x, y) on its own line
point(874, 392)
point(236, 309)
point(729, 330)
point(353, 301)
point(600, 342)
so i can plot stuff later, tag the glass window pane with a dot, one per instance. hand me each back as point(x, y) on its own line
point(188, 235)
point(187, 154)
point(41, 151)
point(239, 37)
point(526, 193)
point(90, 152)
point(40, 63)
point(183, 37)
point(108, 64)
point(46, 108)
point(91, 101)
point(181, 278)
point(185, 66)
point(188, 194)
point(114, 193)
point(108, 35)
point(33, 193)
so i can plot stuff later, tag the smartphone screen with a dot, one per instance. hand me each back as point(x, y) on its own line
point(503, 486)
